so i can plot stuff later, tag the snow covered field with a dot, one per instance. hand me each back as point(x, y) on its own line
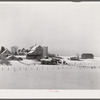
point(27, 75)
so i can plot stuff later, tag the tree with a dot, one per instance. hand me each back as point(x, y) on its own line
point(14, 50)
point(2, 49)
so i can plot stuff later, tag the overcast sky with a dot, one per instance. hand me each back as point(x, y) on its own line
point(66, 28)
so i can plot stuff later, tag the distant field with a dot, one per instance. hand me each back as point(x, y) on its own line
point(73, 76)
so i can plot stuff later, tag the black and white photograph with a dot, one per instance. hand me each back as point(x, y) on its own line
point(50, 45)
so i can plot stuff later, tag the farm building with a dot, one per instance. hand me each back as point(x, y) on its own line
point(35, 53)
point(87, 56)
point(45, 51)
point(5, 53)
point(51, 55)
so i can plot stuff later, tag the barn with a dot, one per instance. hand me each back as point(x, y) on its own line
point(35, 53)
point(87, 56)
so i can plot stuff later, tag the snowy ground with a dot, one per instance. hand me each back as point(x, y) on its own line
point(30, 74)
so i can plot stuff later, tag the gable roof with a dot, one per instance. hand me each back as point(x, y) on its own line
point(6, 52)
point(33, 49)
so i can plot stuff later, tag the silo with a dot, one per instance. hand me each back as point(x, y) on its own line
point(45, 51)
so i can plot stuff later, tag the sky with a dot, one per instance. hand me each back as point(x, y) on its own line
point(67, 28)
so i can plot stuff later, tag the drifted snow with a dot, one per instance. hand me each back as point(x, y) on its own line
point(20, 76)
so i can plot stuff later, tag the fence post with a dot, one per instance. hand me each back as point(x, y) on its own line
point(58, 68)
point(26, 68)
point(20, 68)
point(14, 69)
point(2, 69)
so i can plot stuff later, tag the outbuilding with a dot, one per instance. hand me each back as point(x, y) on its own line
point(87, 56)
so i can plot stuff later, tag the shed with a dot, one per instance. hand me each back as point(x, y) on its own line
point(87, 56)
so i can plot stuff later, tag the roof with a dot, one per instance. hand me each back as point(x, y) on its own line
point(6, 52)
point(87, 54)
point(49, 59)
point(33, 49)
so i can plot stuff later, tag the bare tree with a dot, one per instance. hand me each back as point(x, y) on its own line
point(14, 50)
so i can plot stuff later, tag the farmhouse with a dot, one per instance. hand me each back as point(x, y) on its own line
point(87, 56)
point(5, 53)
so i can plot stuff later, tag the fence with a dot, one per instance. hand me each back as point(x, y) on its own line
point(82, 64)
point(46, 68)
point(39, 67)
